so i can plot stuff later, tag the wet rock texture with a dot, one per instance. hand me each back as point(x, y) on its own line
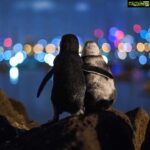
point(15, 113)
point(104, 130)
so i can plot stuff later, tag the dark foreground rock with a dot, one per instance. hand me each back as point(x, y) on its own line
point(100, 131)
point(146, 143)
point(8, 132)
point(140, 120)
point(104, 130)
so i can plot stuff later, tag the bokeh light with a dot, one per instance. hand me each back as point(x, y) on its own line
point(127, 47)
point(140, 47)
point(28, 49)
point(143, 34)
point(7, 54)
point(112, 31)
point(8, 42)
point(49, 59)
point(13, 62)
point(98, 33)
point(133, 54)
point(146, 47)
point(81, 43)
point(119, 34)
point(38, 48)
point(121, 47)
point(50, 48)
point(124, 47)
point(1, 49)
point(14, 75)
point(142, 60)
point(56, 41)
point(122, 55)
point(106, 47)
point(19, 57)
point(137, 28)
point(1, 56)
point(105, 59)
point(18, 47)
point(39, 56)
point(116, 43)
point(148, 36)
point(42, 42)
point(111, 38)
point(128, 39)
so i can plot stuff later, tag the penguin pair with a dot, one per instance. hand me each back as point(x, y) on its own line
point(79, 84)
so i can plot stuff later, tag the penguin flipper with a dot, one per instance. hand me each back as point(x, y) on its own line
point(100, 71)
point(44, 81)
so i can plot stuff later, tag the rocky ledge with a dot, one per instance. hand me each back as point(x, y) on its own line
point(104, 130)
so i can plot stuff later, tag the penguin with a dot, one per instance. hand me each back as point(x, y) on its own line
point(68, 79)
point(100, 87)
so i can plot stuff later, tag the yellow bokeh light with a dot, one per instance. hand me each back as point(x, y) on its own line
point(106, 47)
point(140, 47)
point(38, 48)
point(147, 47)
point(50, 48)
point(28, 48)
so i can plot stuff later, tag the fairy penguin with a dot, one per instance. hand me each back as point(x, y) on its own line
point(100, 87)
point(68, 81)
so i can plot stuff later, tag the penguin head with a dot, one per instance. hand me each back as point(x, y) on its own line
point(69, 43)
point(90, 48)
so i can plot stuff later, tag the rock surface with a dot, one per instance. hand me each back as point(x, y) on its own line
point(146, 143)
point(100, 131)
point(103, 130)
point(15, 113)
point(140, 120)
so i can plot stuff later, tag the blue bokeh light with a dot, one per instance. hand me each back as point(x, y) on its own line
point(1, 56)
point(148, 37)
point(112, 31)
point(56, 41)
point(142, 60)
point(42, 42)
point(39, 56)
point(18, 47)
point(111, 38)
point(143, 34)
point(133, 54)
point(7, 54)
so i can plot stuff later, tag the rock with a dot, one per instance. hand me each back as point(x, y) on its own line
point(139, 118)
point(7, 132)
point(98, 131)
point(115, 131)
point(15, 113)
point(146, 143)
